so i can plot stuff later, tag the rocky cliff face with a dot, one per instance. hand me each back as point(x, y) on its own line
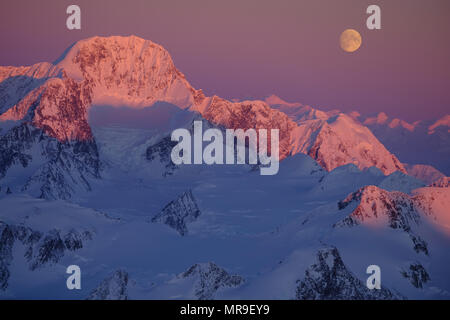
point(17, 83)
point(128, 70)
point(179, 212)
point(329, 279)
point(161, 151)
point(114, 287)
point(41, 248)
point(251, 115)
point(209, 278)
point(57, 168)
point(58, 106)
point(51, 135)
point(416, 274)
point(380, 208)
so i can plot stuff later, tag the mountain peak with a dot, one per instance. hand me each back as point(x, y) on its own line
point(273, 100)
point(401, 123)
point(380, 118)
point(127, 71)
point(444, 122)
point(341, 140)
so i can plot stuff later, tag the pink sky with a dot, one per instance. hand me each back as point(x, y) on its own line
point(253, 48)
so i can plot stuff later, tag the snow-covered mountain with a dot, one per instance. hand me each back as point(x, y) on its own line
point(179, 212)
point(399, 181)
point(422, 142)
point(86, 178)
point(128, 71)
point(48, 104)
point(296, 111)
point(36, 234)
point(423, 172)
point(202, 281)
point(329, 279)
point(334, 138)
point(32, 161)
point(377, 207)
point(56, 99)
point(340, 140)
point(249, 114)
point(114, 287)
point(333, 141)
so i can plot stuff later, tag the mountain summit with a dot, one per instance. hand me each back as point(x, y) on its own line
point(127, 70)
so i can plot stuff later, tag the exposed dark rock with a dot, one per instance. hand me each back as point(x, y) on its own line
point(62, 166)
point(329, 279)
point(6, 243)
point(209, 278)
point(179, 212)
point(397, 208)
point(162, 150)
point(115, 287)
point(416, 274)
point(40, 248)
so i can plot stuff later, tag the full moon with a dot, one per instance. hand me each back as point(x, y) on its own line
point(350, 40)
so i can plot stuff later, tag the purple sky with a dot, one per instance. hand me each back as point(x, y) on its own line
point(253, 48)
